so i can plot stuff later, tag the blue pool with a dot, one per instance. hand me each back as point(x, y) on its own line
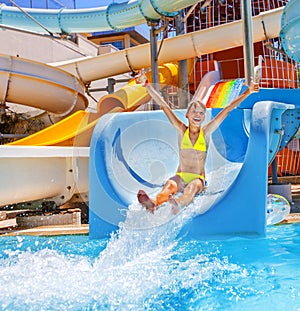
point(151, 270)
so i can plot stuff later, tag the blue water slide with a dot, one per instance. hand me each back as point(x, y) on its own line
point(115, 16)
point(290, 29)
point(136, 151)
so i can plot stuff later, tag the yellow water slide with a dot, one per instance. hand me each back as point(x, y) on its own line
point(76, 129)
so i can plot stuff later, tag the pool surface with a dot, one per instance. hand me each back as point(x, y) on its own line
point(151, 270)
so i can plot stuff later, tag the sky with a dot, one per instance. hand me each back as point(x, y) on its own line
point(56, 4)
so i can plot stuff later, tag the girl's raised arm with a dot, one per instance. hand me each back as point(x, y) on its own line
point(156, 96)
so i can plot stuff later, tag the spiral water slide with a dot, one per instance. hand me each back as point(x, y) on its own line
point(68, 175)
point(41, 86)
point(118, 16)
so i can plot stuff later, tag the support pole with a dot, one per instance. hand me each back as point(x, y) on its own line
point(154, 62)
point(274, 171)
point(248, 40)
point(183, 83)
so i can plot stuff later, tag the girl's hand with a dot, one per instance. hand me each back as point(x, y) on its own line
point(141, 78)
point(253, 86)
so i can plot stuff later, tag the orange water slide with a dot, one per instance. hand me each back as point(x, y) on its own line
point(76, 129)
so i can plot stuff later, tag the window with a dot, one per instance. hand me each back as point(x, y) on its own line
point(118, 44)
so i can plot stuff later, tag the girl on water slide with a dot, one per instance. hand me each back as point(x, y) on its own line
point(193, 141)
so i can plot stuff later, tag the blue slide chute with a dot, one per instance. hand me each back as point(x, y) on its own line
point(138, 150)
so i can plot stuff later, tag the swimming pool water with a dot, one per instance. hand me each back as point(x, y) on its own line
point(147, 272)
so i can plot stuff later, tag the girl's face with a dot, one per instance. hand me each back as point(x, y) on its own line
point(196, 114)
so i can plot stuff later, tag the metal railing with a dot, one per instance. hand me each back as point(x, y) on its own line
point(288, 159)
point(225, 11)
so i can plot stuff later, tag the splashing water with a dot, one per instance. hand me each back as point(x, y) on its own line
point(144, 266)
point(121, 278)
point(136, 273)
